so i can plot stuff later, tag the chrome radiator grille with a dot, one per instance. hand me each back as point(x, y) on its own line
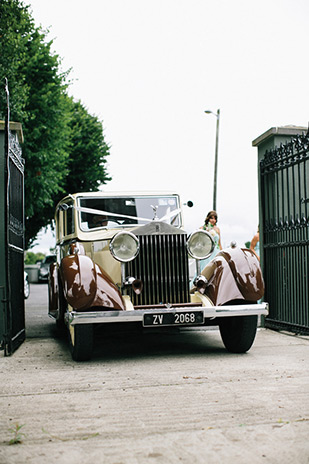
point(162, 265)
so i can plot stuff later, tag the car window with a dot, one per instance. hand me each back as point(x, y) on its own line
point(128, 211)
point(69, 219)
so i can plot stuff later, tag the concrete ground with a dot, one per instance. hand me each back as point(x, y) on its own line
point(177, 398)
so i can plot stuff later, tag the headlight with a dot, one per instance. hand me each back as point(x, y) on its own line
point(200, 244)
point(124, 246)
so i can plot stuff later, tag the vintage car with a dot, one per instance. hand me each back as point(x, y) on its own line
point(123, 258)
point(26, 286)
point(44, 267)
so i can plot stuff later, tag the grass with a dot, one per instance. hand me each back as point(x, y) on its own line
point(17, 434)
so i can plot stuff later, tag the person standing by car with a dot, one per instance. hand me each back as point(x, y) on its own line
point(211, 227)
point(255, 244)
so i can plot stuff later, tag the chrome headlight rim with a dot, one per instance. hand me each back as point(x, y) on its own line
point(113, 251)
point(192, 237)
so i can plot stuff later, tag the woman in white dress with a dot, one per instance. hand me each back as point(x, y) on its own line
point(211, 227)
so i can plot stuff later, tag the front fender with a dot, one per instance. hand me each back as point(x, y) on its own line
point(86, 285)
point(234, 274)
point(247, 272)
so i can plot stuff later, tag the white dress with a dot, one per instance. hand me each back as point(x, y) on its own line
point(210, 229)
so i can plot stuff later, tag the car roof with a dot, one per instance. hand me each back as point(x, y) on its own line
point(115, 194)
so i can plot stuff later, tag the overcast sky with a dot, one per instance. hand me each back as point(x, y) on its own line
point(149, 70)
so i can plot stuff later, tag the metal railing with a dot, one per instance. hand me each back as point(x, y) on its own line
point(284, 180)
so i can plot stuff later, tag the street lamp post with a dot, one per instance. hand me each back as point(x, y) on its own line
point(216, 157)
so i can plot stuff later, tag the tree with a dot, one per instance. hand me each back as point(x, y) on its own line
point(15, 28)
point(54, 127)
point(88, 151)
point(38, 100)
point(33, 258)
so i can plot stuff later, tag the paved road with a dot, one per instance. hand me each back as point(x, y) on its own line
point(173, 399)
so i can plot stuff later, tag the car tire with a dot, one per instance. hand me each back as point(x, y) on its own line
point(62, 307)
point(61, 327)
point(26, 289)
point(238, 332)
point(81, 341)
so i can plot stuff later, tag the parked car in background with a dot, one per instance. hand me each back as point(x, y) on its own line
point(123, 258)
point(26, 286)
point(44, 267)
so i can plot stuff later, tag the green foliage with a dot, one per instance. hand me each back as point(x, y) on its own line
point(38, 100)
point(64, 148)
point(15, 28)
point(247, 244)
point(17, 434)
point(88, 151)
point(33, 258)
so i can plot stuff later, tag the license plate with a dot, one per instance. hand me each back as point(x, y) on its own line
point(180, 318)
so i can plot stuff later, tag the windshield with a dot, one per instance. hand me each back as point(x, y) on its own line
point(128, 211)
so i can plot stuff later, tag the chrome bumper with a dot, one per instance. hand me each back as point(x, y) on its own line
point(102, 317)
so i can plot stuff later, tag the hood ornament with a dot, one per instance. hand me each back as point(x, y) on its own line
point(154, 208)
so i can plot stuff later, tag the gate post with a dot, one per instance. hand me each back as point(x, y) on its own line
point(3, 286)
point(284, 225)
point(269, 140)
point(5, 313)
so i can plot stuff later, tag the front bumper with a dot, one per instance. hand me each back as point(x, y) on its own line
point(102, 317)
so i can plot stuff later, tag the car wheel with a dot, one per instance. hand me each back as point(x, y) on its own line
point(81, 341)
point(62, 307)
point(26, 289)
point(61, 327)
point(238, 333)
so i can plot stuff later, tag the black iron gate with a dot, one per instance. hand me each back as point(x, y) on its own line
point(284, 181)
point(12, 242)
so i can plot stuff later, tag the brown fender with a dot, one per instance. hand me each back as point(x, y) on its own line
point(234, 274)
point(86, 285)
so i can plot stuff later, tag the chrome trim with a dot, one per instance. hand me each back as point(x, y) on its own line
point(162, 265)
point(200, 282)
point(123, 234)
point(99, 317)
point(190, 238)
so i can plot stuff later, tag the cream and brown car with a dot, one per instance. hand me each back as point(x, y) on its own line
point(124, 258)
